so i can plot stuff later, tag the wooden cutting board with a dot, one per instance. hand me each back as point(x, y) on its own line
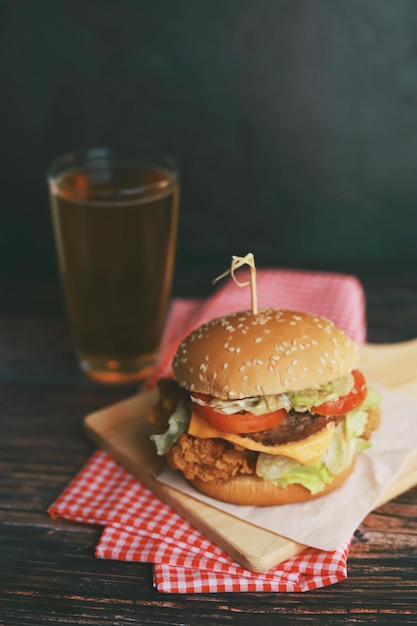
point(123, 431)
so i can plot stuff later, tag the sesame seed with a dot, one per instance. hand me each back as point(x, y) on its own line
point(242, 368)
point(225, 366)
point(271, 369)
point(200, 378)
point(287, 352)
point(244, 378)
point(322, 360)
point(206, 357)
point(225, 387)
point(320, 371)
point(257, 339)
point(191, 370)
point(289, 370)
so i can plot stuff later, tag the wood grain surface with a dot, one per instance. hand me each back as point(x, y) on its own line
point(48, 573)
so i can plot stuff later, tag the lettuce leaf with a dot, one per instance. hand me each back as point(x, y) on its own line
point(372, 400)
point(283, 471)
point(257, 405)
point(300, 401)
point(177, 424)
point(304, 400)
point(345, 443)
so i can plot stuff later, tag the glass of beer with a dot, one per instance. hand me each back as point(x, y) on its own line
point(115, 222)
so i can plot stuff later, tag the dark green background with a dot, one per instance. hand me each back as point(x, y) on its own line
point(294, 121)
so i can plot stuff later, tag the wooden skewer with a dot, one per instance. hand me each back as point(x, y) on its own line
point(236, 263)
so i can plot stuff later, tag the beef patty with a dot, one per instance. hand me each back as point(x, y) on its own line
point(295, 426)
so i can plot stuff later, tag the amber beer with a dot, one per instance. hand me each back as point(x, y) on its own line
point(115, 224)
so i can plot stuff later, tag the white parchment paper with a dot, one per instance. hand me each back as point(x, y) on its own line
point(327, 522)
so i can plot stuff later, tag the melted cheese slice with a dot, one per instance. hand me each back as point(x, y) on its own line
point(307, 451)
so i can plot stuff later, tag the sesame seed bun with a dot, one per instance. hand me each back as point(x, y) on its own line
point(254, 491)
point(274, 351)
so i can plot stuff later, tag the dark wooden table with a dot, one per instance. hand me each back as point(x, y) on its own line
point(48, 574)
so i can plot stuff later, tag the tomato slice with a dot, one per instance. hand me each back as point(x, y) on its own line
point(346, 403)
point(239, 423)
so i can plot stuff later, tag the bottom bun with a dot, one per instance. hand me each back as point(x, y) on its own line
point(255, 491)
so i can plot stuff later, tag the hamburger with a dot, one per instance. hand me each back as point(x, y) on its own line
point(265, 408)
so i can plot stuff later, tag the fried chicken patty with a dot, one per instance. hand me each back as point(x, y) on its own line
point(203, 458)
point(210, 459)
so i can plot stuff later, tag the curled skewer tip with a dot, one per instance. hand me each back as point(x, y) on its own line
point(236, 263)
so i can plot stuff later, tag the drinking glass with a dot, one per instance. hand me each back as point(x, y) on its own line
point(115, 222)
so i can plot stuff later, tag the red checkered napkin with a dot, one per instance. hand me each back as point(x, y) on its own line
point(139, 527)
